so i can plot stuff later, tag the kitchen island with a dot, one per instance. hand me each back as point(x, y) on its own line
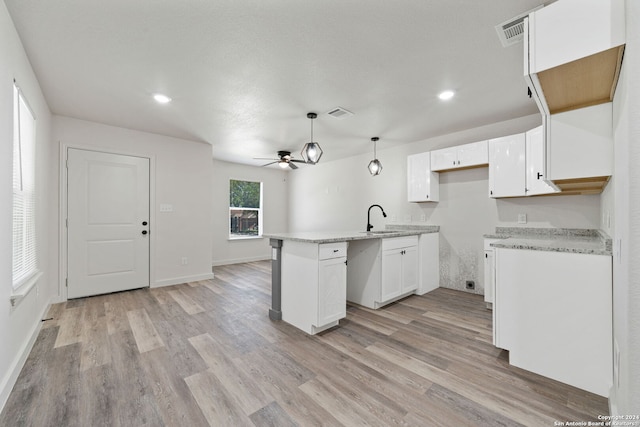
point(313, 272)
point(553, 303)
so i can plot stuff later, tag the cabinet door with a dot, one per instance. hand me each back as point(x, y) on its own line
point(443, 159)
point(489, 276)
point(473, 154)
point(391, 285)
point(535, 158)
point(332, 290)
point(409, 269)
point(422, 184)
point(507, 166)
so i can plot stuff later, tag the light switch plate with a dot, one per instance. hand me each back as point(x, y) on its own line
point(166, 207)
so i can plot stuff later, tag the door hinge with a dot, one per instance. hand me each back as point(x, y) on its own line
point(66, 222)
point(66, 282)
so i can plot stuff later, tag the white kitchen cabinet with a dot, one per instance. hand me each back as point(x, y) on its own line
point(314, 284)
point(399, 269)
point(573, 51)
point(516, 165)
point(382, 270)
point(553, 313)
point(489, 273)
point(535, 163)
point(579, 146)
point(507, 166)
point(429, 262)
point(423, 185)
point(460, 157)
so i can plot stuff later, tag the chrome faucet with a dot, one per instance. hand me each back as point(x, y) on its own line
point(369, 226)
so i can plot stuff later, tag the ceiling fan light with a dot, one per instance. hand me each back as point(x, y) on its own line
point(311, 152)
point(375, 167)
point(283, 164)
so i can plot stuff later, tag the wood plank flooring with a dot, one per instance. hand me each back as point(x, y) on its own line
point(206, 353)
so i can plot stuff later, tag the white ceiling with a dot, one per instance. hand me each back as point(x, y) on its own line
point(244, 73)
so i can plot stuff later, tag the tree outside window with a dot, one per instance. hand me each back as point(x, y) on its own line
point(245, 209)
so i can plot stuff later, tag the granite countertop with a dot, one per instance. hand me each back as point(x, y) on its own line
point(572, 240)
point(397, 230)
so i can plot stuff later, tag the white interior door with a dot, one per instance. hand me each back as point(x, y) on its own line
point(108, 223)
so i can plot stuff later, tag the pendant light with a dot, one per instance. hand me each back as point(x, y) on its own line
point(311, 152)
point(375, 167)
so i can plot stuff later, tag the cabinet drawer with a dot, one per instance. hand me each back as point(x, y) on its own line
point(399, 242)
point(332, 250)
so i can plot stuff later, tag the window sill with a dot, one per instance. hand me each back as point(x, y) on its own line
point(17, 295)
point(231, 239)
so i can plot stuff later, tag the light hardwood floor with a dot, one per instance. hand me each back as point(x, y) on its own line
point(206, 353)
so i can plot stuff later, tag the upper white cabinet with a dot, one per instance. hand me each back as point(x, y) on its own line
point(516, 165)
point(461, 156)
point(423, 185)
point(535, 181)
point(507, 166)
point(573, 51)
point(580, 148)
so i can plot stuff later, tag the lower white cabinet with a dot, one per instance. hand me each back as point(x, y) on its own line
point(314, 284)
point(553, 312)
point(382, 270)
point(489, 273)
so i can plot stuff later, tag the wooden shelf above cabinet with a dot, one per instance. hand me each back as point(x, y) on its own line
point(593, 185)
point(582, 83)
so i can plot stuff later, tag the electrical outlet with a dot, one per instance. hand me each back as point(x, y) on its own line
point(394, 218)
point(423, 218)
point(470, 284)
point(166, 207)
point(522, 218)
point(185, 260)
point(407, 218)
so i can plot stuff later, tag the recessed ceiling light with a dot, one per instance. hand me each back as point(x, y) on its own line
point(161, 99)
point(447, 94)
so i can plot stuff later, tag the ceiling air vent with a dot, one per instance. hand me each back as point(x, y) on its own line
point(339, 113)
point(512, 31)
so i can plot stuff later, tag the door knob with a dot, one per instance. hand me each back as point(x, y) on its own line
point(144, 231)
point(144, 222)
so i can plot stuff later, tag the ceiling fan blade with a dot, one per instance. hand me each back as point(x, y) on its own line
point(297, 161)
point(277, 161)
point(292, 166)
point(265, 158)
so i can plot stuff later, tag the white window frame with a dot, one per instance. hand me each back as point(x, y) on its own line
point(258, 210)
point(24, 258)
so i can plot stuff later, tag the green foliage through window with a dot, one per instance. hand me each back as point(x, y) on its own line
point(244, 194)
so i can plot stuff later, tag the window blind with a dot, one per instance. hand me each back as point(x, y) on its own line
point(24, 236)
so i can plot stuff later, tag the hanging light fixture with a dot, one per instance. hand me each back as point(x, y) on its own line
point(375, 167)
point(311, 152)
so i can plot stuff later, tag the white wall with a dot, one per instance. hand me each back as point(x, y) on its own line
point(275, 211)
point(625, 397)
point(336, 195)
point(18, 327)
point(181, 176)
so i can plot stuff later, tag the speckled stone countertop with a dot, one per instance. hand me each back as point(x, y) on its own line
point(573, 240)
point(395, 230)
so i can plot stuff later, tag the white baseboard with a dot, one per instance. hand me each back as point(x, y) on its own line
point(11, 377)
point(183, 279)
point(239, 260)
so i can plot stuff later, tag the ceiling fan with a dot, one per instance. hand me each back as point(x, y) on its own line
point(285, 160)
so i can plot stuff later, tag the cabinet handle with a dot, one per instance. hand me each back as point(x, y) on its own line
point(491, 192)
point(335, 250)
point(529, 92)
point(539, 175)
point(486, 255)
point(345, 262)
point(427, 196)
point(458, 161)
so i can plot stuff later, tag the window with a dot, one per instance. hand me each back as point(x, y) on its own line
point(245, 209)
point(24, 235)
